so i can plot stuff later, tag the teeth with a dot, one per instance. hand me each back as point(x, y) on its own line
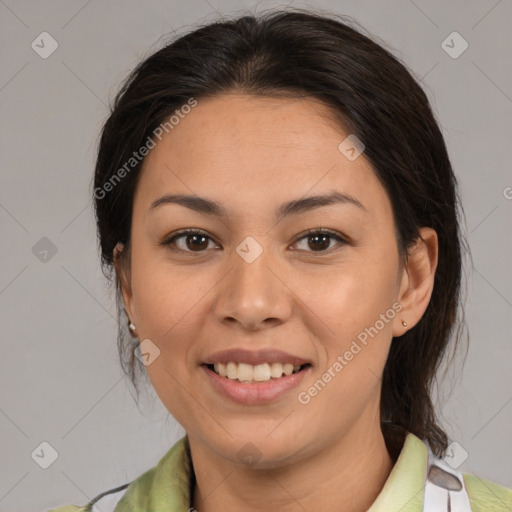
point(288, 369)
point(276, 370)
point(244, 372)
point(232, 371)
point(220, 368)
point(262, 372)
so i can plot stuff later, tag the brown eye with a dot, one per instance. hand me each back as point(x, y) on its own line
point(319, 240)
point(196, 242)
point(193, 241)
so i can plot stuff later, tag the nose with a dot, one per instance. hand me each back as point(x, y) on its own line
point(254, 295)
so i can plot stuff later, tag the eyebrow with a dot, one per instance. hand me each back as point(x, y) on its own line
point(208, 207)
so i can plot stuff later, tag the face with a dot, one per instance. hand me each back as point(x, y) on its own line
point(266, 279)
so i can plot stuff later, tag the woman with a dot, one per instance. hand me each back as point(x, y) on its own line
point(277, 208)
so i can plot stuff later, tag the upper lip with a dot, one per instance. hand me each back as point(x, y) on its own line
point(254, 357)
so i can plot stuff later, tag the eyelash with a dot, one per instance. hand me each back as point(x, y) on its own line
point(170, 241)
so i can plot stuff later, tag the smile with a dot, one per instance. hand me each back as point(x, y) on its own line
point(243, 372)
point(240, 384)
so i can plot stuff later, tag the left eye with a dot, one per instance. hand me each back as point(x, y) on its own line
point(319, 237)
point(199, 240)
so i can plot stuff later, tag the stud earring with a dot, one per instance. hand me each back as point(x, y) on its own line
point(404, 323)
point(131, 327)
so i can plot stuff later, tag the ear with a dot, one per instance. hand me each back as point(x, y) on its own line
point(125, 281)
point(417, 280)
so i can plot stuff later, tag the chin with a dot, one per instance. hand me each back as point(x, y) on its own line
point(261, 452)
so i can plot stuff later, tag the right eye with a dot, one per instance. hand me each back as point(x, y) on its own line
point(193, 239)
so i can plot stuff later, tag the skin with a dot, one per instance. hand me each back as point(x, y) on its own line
point(251, 154)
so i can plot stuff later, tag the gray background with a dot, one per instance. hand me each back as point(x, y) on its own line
point(60, 378)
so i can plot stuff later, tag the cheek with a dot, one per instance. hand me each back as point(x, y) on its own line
point(166, 297)
point(353, 322)
point(354, 329)
point(350, 297)
point(171, 313)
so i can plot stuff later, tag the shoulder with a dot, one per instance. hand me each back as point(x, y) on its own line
point(169, 481)
point(487, 496)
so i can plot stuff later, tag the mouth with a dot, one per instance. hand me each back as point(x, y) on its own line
point(259, 384)
point(255, 377)
point(253, 374)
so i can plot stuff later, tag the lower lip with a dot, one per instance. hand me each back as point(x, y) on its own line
point(257, 392)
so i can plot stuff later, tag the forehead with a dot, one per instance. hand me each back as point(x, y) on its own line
point(250, 150)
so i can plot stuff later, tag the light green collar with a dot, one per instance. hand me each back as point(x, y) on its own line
point(168, 486)
point(405, 485)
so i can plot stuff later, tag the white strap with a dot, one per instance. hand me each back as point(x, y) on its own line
point(444, 488)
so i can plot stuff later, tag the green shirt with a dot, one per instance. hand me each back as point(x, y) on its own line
point(168, 486)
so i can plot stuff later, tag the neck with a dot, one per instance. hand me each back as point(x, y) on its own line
point(348, 474)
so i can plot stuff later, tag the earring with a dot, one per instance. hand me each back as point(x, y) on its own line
point(404, 323)
point(131, 327)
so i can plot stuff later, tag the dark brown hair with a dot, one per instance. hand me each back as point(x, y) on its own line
point(299, 53)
